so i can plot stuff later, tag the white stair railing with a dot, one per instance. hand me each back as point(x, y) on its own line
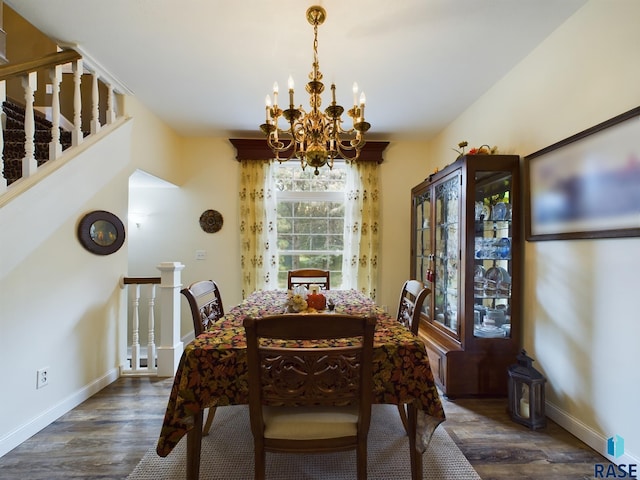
point(140, 362)
point(164, 345)
point(55, 66)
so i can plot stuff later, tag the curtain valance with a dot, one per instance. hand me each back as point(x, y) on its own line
point(257, 149)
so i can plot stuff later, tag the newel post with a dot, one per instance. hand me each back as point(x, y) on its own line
point(170, 346)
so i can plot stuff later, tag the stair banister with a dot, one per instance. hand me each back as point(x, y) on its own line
point(76, 133)
point(30, 85)
point(54, 64)
point(133, 287)
point(55, 147)
point(95, 104)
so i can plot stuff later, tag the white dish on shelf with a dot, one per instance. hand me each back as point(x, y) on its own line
point(498, 274)
point(488, 331)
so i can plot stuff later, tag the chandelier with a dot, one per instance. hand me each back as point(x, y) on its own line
point(316, 138)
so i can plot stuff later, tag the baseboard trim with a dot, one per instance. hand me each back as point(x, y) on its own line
point(47, 417)
point(594, 439)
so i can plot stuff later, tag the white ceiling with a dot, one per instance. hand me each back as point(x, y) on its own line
point(205, 66)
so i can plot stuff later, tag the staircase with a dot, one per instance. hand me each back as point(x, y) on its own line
point(14, 140)
point(28, 139)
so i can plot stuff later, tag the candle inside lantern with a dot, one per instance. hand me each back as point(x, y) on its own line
point(524, 408)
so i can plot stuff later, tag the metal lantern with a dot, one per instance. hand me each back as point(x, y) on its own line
point(526, 393)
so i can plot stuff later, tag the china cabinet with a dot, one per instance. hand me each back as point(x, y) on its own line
point(466, 244)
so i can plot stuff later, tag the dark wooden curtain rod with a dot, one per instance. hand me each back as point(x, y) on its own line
point(257, 149)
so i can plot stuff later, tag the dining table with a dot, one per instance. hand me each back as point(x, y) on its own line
point(213, 370)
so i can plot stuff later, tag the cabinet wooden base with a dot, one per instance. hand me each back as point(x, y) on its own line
point(461, 373)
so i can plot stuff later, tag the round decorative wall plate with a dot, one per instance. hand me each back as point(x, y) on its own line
point(211, 221)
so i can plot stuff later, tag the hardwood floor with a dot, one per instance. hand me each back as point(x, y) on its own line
point(106, 436)
point(500, 449)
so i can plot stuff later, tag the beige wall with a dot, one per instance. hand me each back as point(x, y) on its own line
point(24, 42)
point(405, 165)
point(170, 231)
point(59, 304)
point(581, 321)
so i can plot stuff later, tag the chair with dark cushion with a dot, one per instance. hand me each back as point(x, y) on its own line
point(308, 277)
point(412, 297)
point(315, 399)
point(205, 303)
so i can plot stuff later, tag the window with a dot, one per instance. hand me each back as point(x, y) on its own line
point(310, 220)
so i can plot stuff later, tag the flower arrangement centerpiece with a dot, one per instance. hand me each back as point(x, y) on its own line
point(296, 302)
point(481, 150)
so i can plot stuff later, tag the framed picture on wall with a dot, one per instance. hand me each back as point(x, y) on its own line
point(587, 185)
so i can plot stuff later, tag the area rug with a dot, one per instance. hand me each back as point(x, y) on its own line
point(227, 454)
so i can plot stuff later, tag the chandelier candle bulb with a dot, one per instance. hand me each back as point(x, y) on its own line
point(290, 91)
point(275, 94)
point(355, 94)
point(268, 103)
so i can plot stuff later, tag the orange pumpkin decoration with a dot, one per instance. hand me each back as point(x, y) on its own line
point(317, 301)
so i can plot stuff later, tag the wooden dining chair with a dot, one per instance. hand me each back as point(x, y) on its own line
point(308, 277)
point(412, 297)
point(205, 304)
point(310, 399)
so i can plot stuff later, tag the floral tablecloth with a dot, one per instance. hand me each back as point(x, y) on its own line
point(213, 368)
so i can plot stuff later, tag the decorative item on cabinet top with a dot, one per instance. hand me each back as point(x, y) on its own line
point(211, 221)
point(481, 150)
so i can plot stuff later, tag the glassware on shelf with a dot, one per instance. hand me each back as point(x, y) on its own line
point(503, 248)
point(499, 211)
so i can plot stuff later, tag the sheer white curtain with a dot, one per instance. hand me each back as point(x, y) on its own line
point(258, 234)
point(360, 261)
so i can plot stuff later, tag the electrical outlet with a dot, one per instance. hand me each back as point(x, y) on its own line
point(201, 254)
point(43, 377)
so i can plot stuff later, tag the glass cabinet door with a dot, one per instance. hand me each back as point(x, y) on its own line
point(447, 252)
point(423, 249)
point(492, 255)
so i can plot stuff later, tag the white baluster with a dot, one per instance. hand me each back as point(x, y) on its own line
point(111, 108)
point(95, 104)
point(151, 345)
point(29, 163)
point(76, 134)
point(135, 327)
point(3, 120)
point(55, 147)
